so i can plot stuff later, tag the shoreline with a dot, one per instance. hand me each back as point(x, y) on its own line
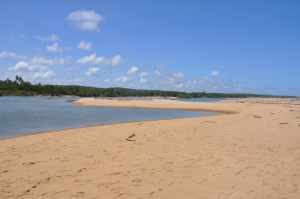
point(82, 101)
point(110, 124)
point(252, 154)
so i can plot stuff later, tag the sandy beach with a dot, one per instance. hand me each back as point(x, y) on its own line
point(250, 150)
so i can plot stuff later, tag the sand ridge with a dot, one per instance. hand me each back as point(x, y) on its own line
point(254, 153)
point(160, 104)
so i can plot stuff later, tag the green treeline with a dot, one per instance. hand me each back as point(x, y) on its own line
point(19, 87)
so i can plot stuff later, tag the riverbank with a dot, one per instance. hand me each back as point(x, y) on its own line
point(254, 153)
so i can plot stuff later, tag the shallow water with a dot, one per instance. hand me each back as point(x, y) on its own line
point(22, 115)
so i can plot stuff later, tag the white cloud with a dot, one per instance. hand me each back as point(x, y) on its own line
point(43, 74)
point(46, 61)
point(36, 71)
point(51, 38)
point(90, 59)
point(84, 45)
point(21, 66)
point(179, 85)
point(116, 60)
point(122, 79)
point(175, 78)
point(55, 48)
point(143, 77)
point(92, 71)
point(215, 73)
point(133, 70)
point(93, 59)
point(144, 74)
point(86, 20)
point(157, 73)
point(11, 55)
point(178, 75)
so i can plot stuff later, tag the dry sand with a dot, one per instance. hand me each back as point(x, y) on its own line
point(254, 153)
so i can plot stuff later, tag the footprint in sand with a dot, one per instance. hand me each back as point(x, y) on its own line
point(283, 123)
point(151, 193)
point(28, 163)
point(137, 181)
point(114, 173)
point(6, 171)
point(208, 121)
point(81, 170)
point(78, 194)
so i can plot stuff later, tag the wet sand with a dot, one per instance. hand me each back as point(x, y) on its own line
point(254, 152)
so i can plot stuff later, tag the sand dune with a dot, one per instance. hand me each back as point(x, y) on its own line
point(254, 153)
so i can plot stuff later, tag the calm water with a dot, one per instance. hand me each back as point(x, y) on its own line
point(20, 115)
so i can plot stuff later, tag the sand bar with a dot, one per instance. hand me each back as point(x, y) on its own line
point(254, 153)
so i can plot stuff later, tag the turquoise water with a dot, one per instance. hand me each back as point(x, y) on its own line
point(22, 115)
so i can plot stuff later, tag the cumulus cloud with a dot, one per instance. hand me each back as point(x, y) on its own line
point(93, 59)
point(46, 61)
point(215, 73)
point(116, 60)
point(92, 71)
point(132, 73)
point(23, 66)
point(86, 20)
point(11, 55)
point(51, 38)
point(84, 45)
point(132, 70)
point(90, 59)
point(37, 71)
point(55, 48)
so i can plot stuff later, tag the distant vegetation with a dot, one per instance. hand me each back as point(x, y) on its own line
point(19, 87)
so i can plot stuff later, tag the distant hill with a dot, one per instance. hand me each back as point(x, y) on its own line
point(19, 87)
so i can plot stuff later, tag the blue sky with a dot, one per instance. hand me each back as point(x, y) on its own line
point(195, 45)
